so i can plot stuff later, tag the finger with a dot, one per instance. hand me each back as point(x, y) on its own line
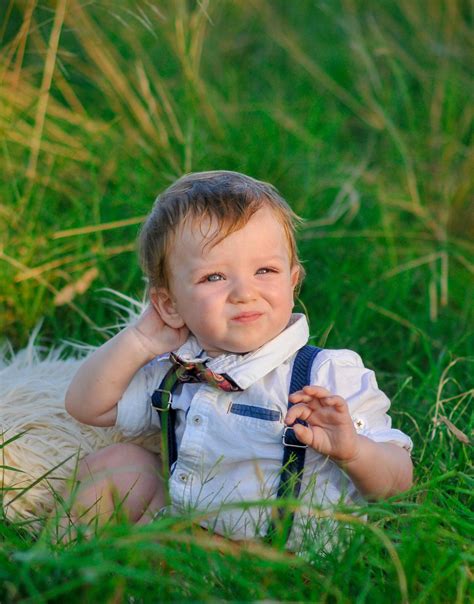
point(333, 401)
point(317, 391)
point(300, 411)
point(316, 395)
point(309, 393)
point(300, 397)
point(304, 434)
point(313, 437)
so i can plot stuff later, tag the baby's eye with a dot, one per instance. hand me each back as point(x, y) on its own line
point(264, 270)
point(213, 277)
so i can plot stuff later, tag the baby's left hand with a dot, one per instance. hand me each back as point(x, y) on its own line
point(330, 430)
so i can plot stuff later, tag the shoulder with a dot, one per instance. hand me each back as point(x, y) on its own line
point(342, 372)
point(341, 357)
point(336, 360)
point(310, 360)
point(327, 360)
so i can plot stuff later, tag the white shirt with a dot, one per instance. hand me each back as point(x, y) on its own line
point(225, 457)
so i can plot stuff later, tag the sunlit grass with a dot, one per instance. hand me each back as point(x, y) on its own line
point(361, 114)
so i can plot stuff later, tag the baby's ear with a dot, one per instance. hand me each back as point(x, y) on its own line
point(165, 306)
point(295, 275)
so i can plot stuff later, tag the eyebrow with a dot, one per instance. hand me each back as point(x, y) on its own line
point(219, 264)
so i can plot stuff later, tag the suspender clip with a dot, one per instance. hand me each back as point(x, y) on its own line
point(289, 439)
point(161, 400)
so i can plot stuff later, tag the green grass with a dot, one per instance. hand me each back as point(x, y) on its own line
point(361, 114)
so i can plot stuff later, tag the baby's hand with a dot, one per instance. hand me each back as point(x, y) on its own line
point(330, 430)
point(155, 336)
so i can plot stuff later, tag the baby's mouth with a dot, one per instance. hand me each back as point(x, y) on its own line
point(247, 317)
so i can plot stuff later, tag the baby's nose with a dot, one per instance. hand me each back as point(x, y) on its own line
point(242, 291)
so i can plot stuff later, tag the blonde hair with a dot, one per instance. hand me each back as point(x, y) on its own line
point(228, 198)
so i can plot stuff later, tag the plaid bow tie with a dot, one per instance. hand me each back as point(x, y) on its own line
point(192, 372)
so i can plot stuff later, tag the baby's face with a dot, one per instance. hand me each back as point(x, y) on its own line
point(237, 295)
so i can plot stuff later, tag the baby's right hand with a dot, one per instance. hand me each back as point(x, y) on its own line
point(155, 336)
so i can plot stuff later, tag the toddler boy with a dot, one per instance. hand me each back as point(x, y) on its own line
point(219, 252)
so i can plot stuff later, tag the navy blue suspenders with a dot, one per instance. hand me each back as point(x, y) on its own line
point(293, 451)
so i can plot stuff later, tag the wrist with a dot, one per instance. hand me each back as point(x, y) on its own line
point(142, 344)
point(352, 456)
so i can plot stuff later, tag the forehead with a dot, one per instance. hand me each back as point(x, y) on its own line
point(206, 238)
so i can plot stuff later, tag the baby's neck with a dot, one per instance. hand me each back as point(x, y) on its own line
point(213, 354)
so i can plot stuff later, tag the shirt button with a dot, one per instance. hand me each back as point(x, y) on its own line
point(183, 477)
point(197, 419)
point(359, 423)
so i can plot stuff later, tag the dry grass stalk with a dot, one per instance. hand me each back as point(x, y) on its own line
point(439, 406)
point(64, 260)
point(20, 266)
point(442, 278)
point(406, 266)
point(203, 539)
point(98, 227)
point(421, 212)
point(398, 319)
point(371, 89)
point(106, 58)
point(49, 66)
point(51, 130)
point(386, 32)
point(153, 107)
point(454, 430)
point(189, 32)
point(168, 106)
point(113, 78)
point(59, 80)
point(38, 270)
point(6, 17)
point(68, 191)
point(465, 262)
point(21, 98)
point(18, 44)
point(22, 137)
point(68, 293)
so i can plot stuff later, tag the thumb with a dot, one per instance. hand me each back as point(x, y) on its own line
point(303, 433)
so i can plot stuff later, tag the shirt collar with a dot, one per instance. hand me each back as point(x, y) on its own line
point(246, 369)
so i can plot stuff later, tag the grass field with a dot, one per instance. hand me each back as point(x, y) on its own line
point(361, 113)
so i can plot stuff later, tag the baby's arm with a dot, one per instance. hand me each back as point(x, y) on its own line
point(102, 379)
point(377, 469)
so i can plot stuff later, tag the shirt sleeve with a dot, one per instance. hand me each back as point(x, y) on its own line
point(135, 415)
point(343, 373)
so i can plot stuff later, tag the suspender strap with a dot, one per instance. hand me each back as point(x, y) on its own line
point(161, 402)
point(294, 451)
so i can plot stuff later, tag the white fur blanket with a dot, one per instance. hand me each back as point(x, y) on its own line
point(40, 443)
